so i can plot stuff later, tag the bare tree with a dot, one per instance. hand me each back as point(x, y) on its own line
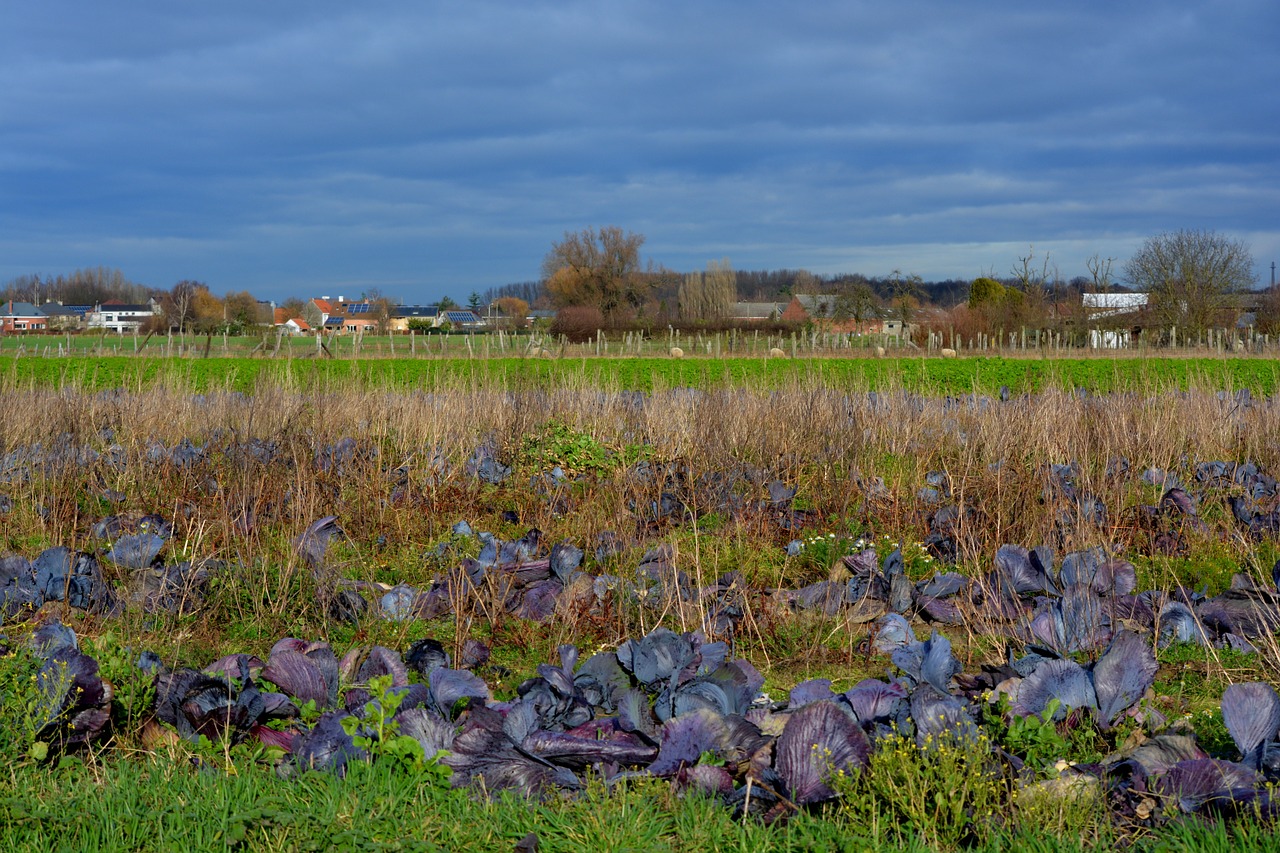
point(689, 297)
point(1269, 311)
point(293, 307)
point(381, 309)
point(1191, 277)
point(806, 283)
point(721, 286)
point(179, 305)
point(858, 303)
point(1031, 280)
point(1100, 271)
point(708, 295)
point(904, 291)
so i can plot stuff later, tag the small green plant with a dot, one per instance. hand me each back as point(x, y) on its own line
point(1034, 737)
point(710, 757)
point(25, 710)
point(558, 444)
point(947, 793)
point(821, 551)
point(378, 733)
point(1211, 733)
point(134, 691)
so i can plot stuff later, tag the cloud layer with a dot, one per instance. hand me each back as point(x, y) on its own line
point(440, 147)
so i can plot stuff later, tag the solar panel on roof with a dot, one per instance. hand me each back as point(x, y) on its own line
point(357, 307)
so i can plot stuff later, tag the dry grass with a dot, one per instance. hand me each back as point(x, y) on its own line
point(829, 443)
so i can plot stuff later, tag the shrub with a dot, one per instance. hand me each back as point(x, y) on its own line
point(578, 323)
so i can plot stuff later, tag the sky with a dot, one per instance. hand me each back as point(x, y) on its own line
point(438, 148)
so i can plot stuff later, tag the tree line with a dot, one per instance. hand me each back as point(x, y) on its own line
point(597, 278)
point(82, 287)
point(1193, 280)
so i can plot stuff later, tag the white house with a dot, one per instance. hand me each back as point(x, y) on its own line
point(120, 317)
point(1102, 305)
point(1112, 304)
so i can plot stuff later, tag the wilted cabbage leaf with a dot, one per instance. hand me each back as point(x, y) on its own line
point(818, 741)
point(1123, 674)
point(1251, 713)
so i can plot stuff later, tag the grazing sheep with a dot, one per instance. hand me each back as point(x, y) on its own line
point(948, 353)
point(879, 352)
point(676, 352)
point(776, 353)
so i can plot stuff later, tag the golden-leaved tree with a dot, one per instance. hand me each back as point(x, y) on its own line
point(598, 268)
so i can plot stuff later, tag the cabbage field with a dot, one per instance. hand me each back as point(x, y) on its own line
point(639, 604)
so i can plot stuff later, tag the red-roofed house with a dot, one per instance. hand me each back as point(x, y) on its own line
point(318, 311)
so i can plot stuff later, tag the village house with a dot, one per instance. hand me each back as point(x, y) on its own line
point(121, 317)
point(462, 319)
point(821, 310)
point(22, 317)
point(289, 325)
point(403, 315)
point(1112, 317)
point(318, 311)
point(340, 317)
point(758, 312)
point(65, 318)
point(1112, 304)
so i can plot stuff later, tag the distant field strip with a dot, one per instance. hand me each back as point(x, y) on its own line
point(926, 375)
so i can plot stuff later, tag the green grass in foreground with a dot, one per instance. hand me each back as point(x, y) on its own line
point(928, 375)
point(163, 804)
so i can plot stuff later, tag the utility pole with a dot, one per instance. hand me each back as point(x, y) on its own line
point(1273, 273)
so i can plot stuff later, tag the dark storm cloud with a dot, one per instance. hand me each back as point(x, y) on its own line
point(440, 147)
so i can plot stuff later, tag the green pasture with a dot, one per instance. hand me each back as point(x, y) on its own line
point(922, 374)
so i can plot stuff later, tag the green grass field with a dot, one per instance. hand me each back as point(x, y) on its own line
point(924, 375)
point(159, 804)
